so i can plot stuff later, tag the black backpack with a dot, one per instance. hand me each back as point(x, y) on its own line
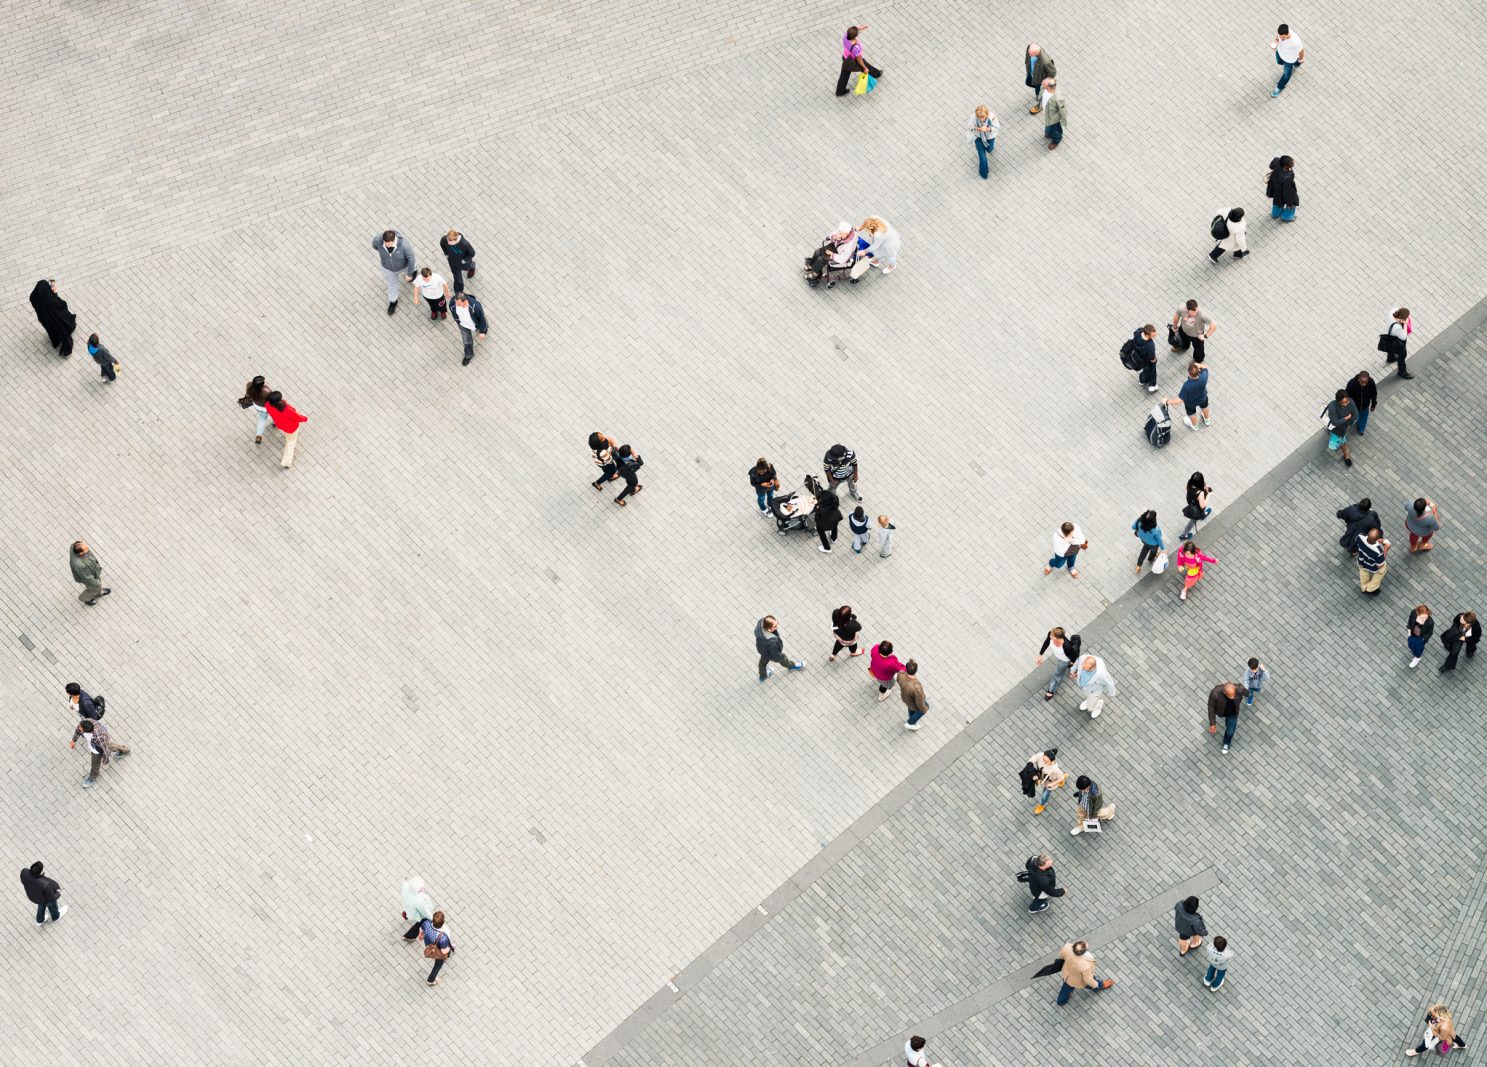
point(98, 703)
point(1128, 355)
point(1219, 227)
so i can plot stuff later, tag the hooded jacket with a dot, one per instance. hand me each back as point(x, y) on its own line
point(1042, 881)
point(53, 314)
point(1280, 186)
point(399, 259)
point(39, 888)
point(768, 644)
point(1188, 923)
point(1359, 522)
point(86, 570)
point(417, 905)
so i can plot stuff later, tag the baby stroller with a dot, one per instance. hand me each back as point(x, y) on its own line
point(836, 260)
point(796, 511)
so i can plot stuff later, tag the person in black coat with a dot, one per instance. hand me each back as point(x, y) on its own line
point(460, 253)
point(1360, 518)
point(1464, 632)
point(1280, 187)
point(43, 892)
point(1144, 350)
point(828, 517)
point(1364, 393)
point(1042, 882)
point(845, 628)
point(53, 314)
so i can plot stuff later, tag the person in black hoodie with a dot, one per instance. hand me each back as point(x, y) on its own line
point(845, 628)
point(1144, 351)
point(1360, 518)
point(1042, 882)
point(43, 892)
point(460, 253)
point(828, 517)
point(53, 314)
point(1364, 392)
point(1280, 187)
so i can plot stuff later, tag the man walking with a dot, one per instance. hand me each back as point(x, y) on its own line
point(88, 573)
point(1359, 519)
point(1191, 328)
point(1463, 633)
point(436, 945)
point(1223, 701)
point(1144, 355)
point(1079, 971)
point(628, 464)
point(398, 263)
point(460, 253)
point(1037, 67)
point(1055, 113)
point(469, 316)
point(1096, 684)
point(83, 705)
point(43, 892)
point(1042, 882)
point(1363, 391)
point(1290, 53)
point(101, 747)
point(1193, 396)
point(852, 60)
point(911, 690)
point(840, 464)
point(1339, 415)
point(1373, 548)
point(771, 647)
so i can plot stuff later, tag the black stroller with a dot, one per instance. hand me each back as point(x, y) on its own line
point(796, 511)
point(837, 259)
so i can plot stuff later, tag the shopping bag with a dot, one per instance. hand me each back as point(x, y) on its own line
point(1159, 564)
point(864, 83)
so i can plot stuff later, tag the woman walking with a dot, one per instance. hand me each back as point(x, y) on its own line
point(1190, 560)
point(255, 396)
point(844, 628)
point(53, 314)
point(1150, 535)
point(880, 242)
point(288, 422)
point(764, 480)
point(1196, 509)
point(1440, 1033)
point(417, 906)
point(1418, 628)
point(1235, 241)
point(1067, 544)
point(1421, 521)
point(1280, 187)
point(981, 130)
point(828, 519)
point(1050, 777)
point(1190, 925)
point(1398, 347)
point(436, 944)
point(1065, 651)
point(884, 667)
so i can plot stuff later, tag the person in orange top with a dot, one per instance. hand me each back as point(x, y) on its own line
point(288, 422)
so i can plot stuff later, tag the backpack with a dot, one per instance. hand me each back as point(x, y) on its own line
point(1159, 427)
point(1128, 355)
point(98, 704)
point(1219, 227)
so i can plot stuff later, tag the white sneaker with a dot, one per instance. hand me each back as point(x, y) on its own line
point(1207, 421)
point(60, 912)
point(1191, 425)
point(1151, 389)
point(1077, 830)
point(1415, 662)
point(1095, 712)
point(883, 695)
point(1084, 706)
point(822, 548)
point(913, 726)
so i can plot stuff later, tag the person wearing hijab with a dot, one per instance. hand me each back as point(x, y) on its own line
point(53, 314)
point(417, 906)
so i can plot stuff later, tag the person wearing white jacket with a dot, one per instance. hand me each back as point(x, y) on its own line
point(1235, 242)
point(1095, 683)
point(880, 241)
point(417, 906)
point(981, 130)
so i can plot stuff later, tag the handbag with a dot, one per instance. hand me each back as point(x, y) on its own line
point(434, 952)
point(1159, 565)
point(860, 89)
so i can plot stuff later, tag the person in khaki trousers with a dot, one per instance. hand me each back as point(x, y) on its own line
point(288, 421)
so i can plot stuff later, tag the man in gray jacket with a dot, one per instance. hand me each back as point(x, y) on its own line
point(88, 573)
point(771, 647)
point(397, 261)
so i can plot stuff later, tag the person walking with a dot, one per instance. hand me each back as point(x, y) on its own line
point(469, 316)
point(1463, 633)
point(852, 60)
point(1197, 508)
point(1440, 1033)
point(87, 571)
point(1067, 544)
point(770, 644)
point(433, 288)
point(1219, 955)
point(1090, 803)
point(1190, 561)
point(1055, 113)
point(1233, 239)
point(879, 242)
point(1255, 677)
point(1037, 67)
point(1421, 520)
point(82, 703)
point(1031, 776)
point(108, 369)
point(287, 421)
point(1042, 882)
point(460, 254)
point(54, 315)
point(981, 130)
point(1418, 627)
point(1191, 327)
point(1363, 391)
point(255, 399)
point(1050, 776)
point(100, 744)
point(1223, 702)
point(1191, 929)
point(1395, 341)
point(1065, 652)
point(604, 450)
point(1144, 355)
point(828, 519)
point(1373, 550)
point(914, 1054)
point(860, 528)
point(844, 631)
point(436, 944)
point(1193, 396)
point(627, 465)
point(911, 692)
point(885, 536)
point(418, 907)
point(840, 465)
point(1290, 53)
point(1079, 971)
point(1280, 187)
point(1339, 415)
point(1358, 519)
point(1150, 535)
point(884, 667)
point(42, 891)
point(1095, 683)
point(398, 263)
point(765, 481)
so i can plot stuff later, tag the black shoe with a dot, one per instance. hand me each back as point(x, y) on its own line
point(466, 361)
point(1215, 254)
point(1346, 462)
point(1240, 255)
point(393, 306)
point(106, 591)
point(470, 273)
point(90, 603)
point(1405, 376)
point(1038, 905)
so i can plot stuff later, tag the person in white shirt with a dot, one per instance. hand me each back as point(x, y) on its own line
point(435, 290)
point(1066, 545)
point(914, 1053)
point(1235, 242)
point(1290, 53)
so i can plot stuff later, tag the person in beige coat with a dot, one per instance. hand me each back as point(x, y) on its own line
point(1055, 113)
point(912, 691)
point(1079, 971)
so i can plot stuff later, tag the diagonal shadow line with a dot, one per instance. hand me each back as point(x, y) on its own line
point(692, 975)
point(964, 1010)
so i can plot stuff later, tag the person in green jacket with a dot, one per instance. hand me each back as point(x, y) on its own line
point(88, 573)
point(1055, 113)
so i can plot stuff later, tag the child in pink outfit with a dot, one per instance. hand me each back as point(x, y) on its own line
point(884, 666)
point(1190, 560)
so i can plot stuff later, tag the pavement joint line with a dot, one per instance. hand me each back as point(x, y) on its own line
point(975, 730)
point(964, 1010)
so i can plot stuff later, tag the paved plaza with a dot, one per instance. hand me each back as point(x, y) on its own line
point(429, 648)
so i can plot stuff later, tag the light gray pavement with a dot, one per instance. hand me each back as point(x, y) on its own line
point(429, 647)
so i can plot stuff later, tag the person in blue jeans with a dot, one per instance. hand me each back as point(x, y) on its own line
point(434, 935)
point(1079, 971)
point(981, 130)
point(1289, 54)
point(1223, 701)
point(764, 480)
point(1219, 954)
point(1280, 187)
point(1255, 676)
point(1363, 391)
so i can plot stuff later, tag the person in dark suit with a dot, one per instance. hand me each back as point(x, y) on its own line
point(1464, 632)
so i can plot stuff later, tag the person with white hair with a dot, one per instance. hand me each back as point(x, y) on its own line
point(417, 906)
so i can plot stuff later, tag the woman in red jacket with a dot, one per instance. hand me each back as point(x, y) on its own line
point(288, 421)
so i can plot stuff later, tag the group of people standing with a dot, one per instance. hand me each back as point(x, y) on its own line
point(399, 264)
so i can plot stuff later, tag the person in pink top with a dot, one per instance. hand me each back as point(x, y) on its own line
point(1190, 560)
point(884, 666)
point(852, 60)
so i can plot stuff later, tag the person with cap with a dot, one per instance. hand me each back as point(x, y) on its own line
point(840, 465)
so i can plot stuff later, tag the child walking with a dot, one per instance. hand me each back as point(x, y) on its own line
point(861, 535)
point(1255, 676)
